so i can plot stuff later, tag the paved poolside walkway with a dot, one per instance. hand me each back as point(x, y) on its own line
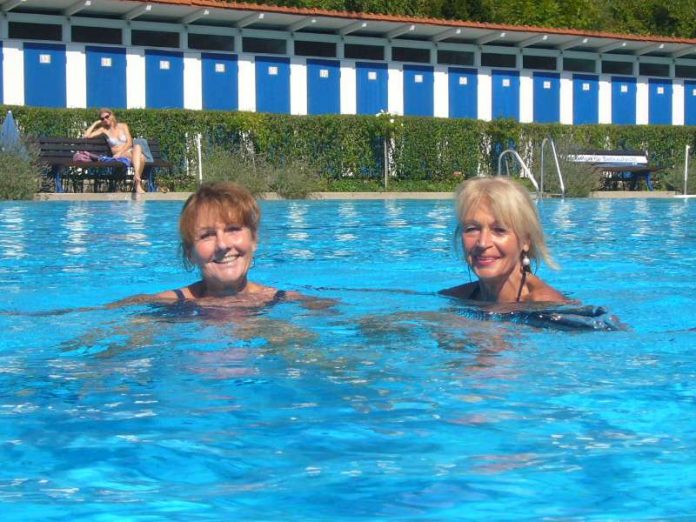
point(179, 196)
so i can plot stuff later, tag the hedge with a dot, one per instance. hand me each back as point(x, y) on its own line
point(346, 146)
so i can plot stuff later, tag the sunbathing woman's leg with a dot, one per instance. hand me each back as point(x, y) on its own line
point(138, 160)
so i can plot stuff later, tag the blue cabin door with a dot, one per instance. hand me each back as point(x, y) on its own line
point(220, 82)
point(506, 94)
point(272, 84)
point(106, 77)
point(418, 90)
point(164, 80)
point(463, 93)
point(690, 102)
point(371, 87)
point(585, 99)
point(44, 75)
point(323, 87)
point(547, 97)
point(623, 100)
point(660, 102)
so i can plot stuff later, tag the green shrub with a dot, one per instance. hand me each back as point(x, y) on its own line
point(295, 180)
point(295, 154)
point(347, 184)
point(579, 179)
point(224, 164)
point(19, 174)
point(673, 179)
point(174, 183)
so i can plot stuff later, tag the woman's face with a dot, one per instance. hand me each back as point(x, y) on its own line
point(492, 249)
point(107, 119)
point(222, 251)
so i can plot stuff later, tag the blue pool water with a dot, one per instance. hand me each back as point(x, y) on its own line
point(395, 404)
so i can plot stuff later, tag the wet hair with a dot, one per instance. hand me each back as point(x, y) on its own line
point(223, 201)
point(511, 205)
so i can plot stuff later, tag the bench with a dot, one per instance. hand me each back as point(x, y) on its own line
point(57, 155)
point(627, 167)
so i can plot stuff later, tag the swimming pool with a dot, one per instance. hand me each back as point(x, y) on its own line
point(393, 405)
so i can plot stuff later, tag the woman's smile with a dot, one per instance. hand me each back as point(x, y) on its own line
point(227, 259)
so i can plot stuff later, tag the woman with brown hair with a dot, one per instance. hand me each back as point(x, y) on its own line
point(218, 227)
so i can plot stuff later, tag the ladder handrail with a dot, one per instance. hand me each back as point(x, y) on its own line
point(527, 172)
point(558, 166)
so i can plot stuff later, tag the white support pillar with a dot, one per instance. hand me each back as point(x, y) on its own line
point(193, 81)
point(441, 92)
point(247, 82)
point(678, 101)
point(604, 98)
point(485, 94)
point(75, 76)
point(135, 74)
point(13, 73)
point(526, 96)
point(349, 91)
point(642, 101)
point(395, 88)
point(566, 98)
point(298, 86)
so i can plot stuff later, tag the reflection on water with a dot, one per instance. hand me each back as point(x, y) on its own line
point(603, 221)
point(297, 221)
point(347, 223)
point(392, 404)
point(441, 223)
point(297, 230)
point(562, 215)
point(136, 221)
point(641, 224)
point(76, 224)
point(394, 210)
point(12, 232)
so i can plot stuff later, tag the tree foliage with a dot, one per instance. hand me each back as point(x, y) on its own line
point(646, 17)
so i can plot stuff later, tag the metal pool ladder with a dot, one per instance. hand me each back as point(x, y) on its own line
point(527, 173)
point(555, 160)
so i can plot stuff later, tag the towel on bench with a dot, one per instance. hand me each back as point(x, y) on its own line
point(146, 149)
point(111, 159)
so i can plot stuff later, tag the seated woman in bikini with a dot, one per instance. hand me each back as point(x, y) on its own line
point(501, 236)
point(218, 227)
point(121, 142)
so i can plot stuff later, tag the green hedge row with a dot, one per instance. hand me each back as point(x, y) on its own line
point(343, 146)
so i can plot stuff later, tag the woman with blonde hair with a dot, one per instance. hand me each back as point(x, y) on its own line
point(121, 143)
point(501, 236)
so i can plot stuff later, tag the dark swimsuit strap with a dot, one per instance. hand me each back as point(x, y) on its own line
point(277, 297)
point(179, 295)
point(475, 293)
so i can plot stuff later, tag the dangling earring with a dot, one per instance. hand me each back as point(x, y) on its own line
point(526, 269)
point(526, 263)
